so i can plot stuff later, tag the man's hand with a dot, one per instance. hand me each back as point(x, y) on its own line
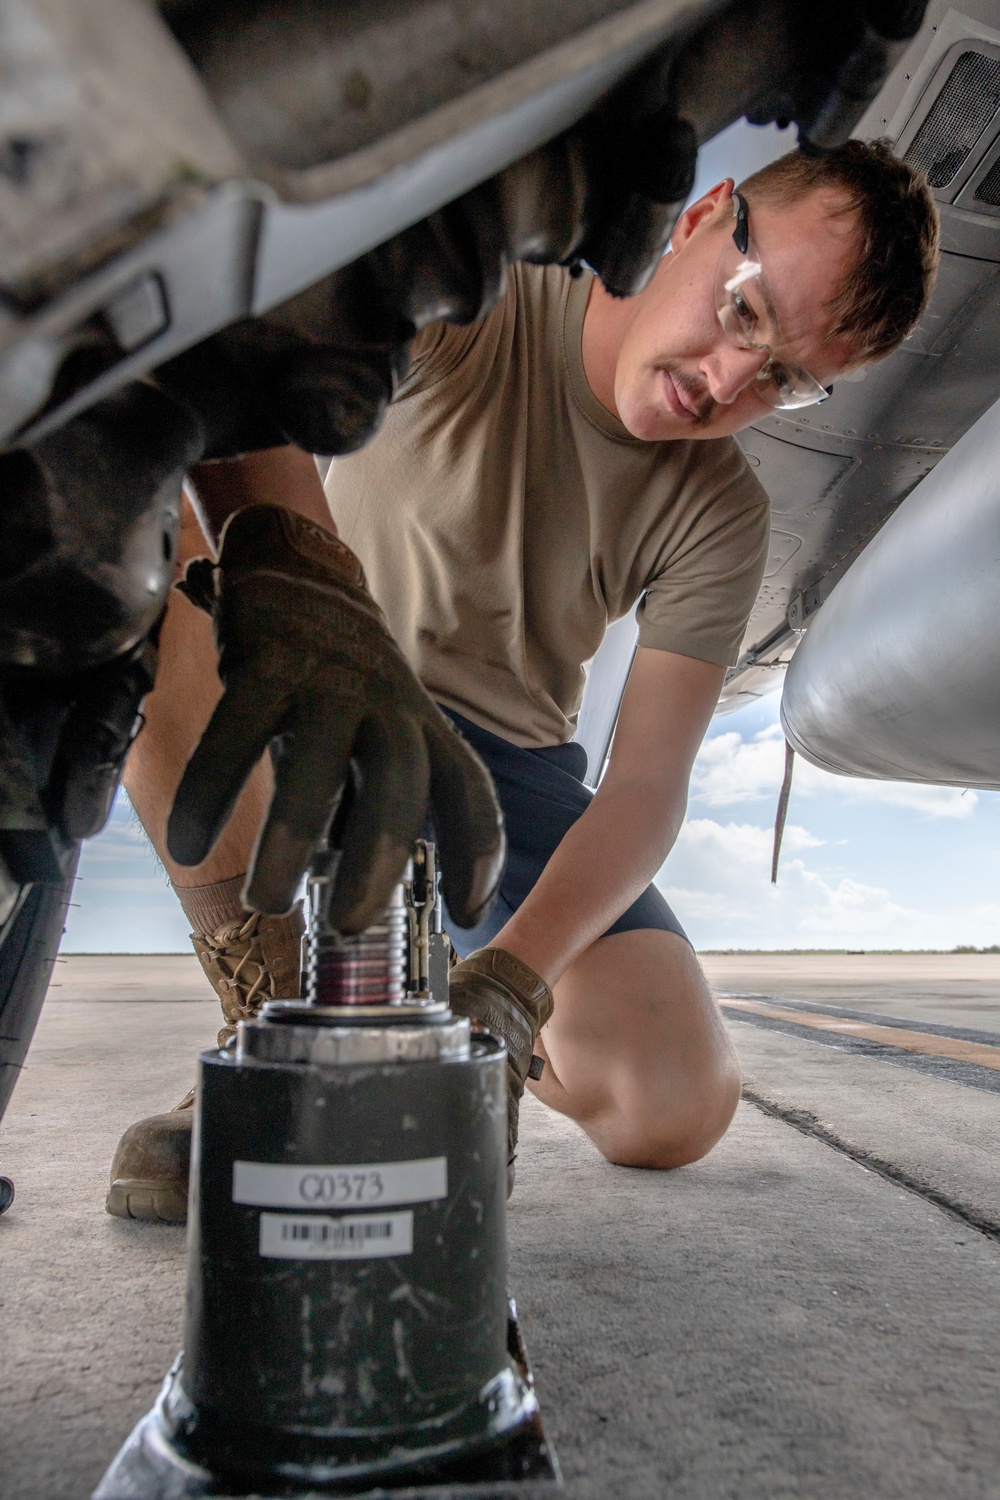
point(306, 658)
point(503, 996)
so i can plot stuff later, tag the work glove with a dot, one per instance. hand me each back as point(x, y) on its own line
point(504, 997)
point(307, 660)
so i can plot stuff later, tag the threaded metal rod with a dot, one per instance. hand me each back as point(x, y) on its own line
point(366, 968)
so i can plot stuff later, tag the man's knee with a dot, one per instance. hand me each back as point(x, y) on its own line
point(674, 1131)
point(641, 1055)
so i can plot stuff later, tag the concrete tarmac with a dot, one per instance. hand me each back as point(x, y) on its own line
point(963, 988)
point(812, 1311)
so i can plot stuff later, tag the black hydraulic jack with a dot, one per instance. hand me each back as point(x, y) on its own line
point(348, 1328)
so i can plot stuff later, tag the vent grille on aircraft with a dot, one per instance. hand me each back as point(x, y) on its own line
point(988, 190)
point(957, 119)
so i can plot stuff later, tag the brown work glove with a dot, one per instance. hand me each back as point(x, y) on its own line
point(306, 658)
point(505, 997)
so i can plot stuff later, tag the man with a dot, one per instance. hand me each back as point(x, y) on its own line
point(537, 474)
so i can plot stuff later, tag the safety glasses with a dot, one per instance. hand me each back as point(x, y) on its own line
point(745, 310)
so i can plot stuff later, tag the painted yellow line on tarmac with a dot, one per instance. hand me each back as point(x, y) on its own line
point(976, 1053)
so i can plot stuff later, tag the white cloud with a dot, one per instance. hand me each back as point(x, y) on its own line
point(932, 801)
point(717, 879)
point(718, 876)
point(730, 770)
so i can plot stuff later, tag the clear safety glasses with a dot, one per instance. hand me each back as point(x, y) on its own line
point(745, 310)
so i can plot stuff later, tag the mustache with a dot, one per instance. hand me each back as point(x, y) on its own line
point(705, 404)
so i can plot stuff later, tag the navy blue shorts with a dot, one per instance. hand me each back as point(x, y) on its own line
point(542, 795)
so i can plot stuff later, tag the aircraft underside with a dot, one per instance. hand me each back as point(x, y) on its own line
point(221, 225)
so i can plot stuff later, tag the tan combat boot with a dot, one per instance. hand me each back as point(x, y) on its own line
point(248, 960)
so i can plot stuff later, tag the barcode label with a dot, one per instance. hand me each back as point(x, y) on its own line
point(316, 1237)
point(372, 1185)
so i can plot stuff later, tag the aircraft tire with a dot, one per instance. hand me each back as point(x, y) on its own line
point(29, 942)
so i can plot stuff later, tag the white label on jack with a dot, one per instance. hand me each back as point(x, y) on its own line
point(376, 1185)
point(318, 1237)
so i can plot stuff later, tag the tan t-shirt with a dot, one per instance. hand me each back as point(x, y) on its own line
point(504, 519)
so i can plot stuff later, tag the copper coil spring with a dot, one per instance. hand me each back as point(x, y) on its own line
point(366, 968)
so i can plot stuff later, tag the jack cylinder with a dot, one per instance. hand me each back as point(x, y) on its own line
point(347, 1305)
point(347, 1316)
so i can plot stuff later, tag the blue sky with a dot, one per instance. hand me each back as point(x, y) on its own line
point(124, 903)
point(865, 864)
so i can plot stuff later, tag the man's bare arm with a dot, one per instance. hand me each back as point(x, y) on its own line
point(274, 476)
point(187, 683)
point(612, 853)
point(175, 714)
